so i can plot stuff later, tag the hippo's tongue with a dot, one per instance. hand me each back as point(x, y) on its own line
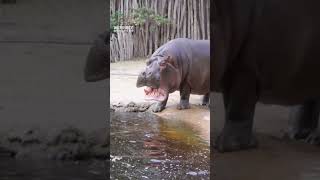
point(155, 94)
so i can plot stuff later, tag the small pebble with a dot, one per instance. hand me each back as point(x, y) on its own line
point(155, 161)
point(192, 173)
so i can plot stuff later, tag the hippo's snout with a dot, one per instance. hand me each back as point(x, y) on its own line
point(141, 79)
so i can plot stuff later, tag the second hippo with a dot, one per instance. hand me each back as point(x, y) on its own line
point(180, 64)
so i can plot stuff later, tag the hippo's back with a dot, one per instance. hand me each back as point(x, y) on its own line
point(194, 57)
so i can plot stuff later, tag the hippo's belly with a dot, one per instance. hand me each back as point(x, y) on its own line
point(291, 89)
point(200, 86)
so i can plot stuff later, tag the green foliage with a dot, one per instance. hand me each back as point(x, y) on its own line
point(116, 20)
point(142, 15)
point(138, 16)
point(161, 20)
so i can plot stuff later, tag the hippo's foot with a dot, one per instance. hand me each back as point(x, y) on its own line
point(314, 138)
point(184, 104)
point(228, 143)
point(297, 134)
point(206, 100)
point(157, 107)
point(236, 136)
point(207, 104)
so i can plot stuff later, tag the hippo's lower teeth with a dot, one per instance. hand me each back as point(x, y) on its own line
point(157, 94)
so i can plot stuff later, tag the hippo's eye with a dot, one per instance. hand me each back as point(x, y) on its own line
point(148, 62)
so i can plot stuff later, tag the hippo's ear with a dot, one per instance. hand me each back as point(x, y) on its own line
point(168, 60)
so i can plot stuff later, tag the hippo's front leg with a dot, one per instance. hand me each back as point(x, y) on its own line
point(184, 97)
point(159, 106)
point(240, 98)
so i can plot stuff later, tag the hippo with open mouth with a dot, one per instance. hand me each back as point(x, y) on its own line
point(180, 64)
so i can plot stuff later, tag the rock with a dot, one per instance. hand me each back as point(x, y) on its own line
point(203, 173)
point(69, 152)
point(27, 138)
point(68, 135)
point(14, 139)
point(131, 104)
point(5, 152)
point(192, 173)
point(31, 137)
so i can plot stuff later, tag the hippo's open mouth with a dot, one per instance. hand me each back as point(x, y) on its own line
point(156, 94)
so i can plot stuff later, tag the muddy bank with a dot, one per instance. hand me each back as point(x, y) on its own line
point(131, 107)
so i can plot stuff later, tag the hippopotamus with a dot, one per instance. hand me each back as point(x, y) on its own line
point(180, 64)
point(265, 51)
point(97, 63)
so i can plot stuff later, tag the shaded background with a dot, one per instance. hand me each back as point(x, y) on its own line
point(43, 46)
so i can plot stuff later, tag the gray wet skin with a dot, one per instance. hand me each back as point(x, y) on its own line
point(97, 65)
point(180, 64)
point(263, 54)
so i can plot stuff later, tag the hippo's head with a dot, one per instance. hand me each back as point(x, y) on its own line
point(97, 63)
point(160, 77)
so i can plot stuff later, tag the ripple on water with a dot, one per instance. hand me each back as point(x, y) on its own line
point(162, 148)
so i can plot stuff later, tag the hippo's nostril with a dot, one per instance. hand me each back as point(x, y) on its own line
point(143, 73)
point(149, 73)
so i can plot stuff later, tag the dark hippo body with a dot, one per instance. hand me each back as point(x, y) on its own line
point(267, 51)
point(185, 67)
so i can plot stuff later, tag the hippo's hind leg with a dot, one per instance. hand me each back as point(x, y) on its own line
point(206, 100)
point(303, 119)
point(184, 97)
point(240, 97)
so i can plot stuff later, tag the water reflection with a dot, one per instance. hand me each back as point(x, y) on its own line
point(146, 147)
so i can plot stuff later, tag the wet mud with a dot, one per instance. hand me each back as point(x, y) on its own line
point(144, 146)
